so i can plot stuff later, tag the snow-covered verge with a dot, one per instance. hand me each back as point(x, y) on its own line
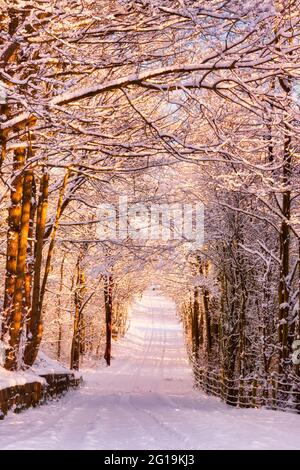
point(146, 400)
point(11, 379)
point(45, 380)
point(43, 365)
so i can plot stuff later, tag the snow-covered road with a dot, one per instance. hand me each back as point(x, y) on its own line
point(145, 400)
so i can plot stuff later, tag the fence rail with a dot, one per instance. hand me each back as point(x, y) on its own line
point(273, 392)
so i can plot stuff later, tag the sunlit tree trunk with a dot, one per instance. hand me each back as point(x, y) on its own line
point(42, 207)
point(3, 135)
point(78, 319)
point(14, 226)
point(30, 254)
point(19, 299)
point(35, 332)
point(59, 299)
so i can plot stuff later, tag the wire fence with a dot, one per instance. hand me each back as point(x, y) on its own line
point(272, 392)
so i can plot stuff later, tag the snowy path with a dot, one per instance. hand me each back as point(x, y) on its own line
point(145, 400)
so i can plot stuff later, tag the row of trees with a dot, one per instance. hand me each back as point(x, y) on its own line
point(167, 102)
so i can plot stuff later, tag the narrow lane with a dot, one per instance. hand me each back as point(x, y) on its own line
point(145, 400)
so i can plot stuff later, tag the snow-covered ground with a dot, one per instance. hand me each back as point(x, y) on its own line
point(10, 379)
point(145, 400)
point(43, 365)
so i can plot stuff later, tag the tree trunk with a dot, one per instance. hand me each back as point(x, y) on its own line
point(207, 320)
point(196, 322)
point(78, 319)
point(30, 254)
point(59, 307)
point(14, 226)
point(108, 316)
point(33, 329)
point(284, 288)
point(19, 302)
point(36, 327)
point(3, 134)
point(297, 368)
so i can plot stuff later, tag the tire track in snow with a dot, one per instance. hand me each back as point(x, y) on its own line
point(145, 400)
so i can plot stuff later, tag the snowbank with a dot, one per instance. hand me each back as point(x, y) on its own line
point(46, 380)
point(11, 379)
point(43, 365)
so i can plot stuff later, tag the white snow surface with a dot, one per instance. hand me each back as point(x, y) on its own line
point(145, 400)
point(43, 365)
point(10, 379)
